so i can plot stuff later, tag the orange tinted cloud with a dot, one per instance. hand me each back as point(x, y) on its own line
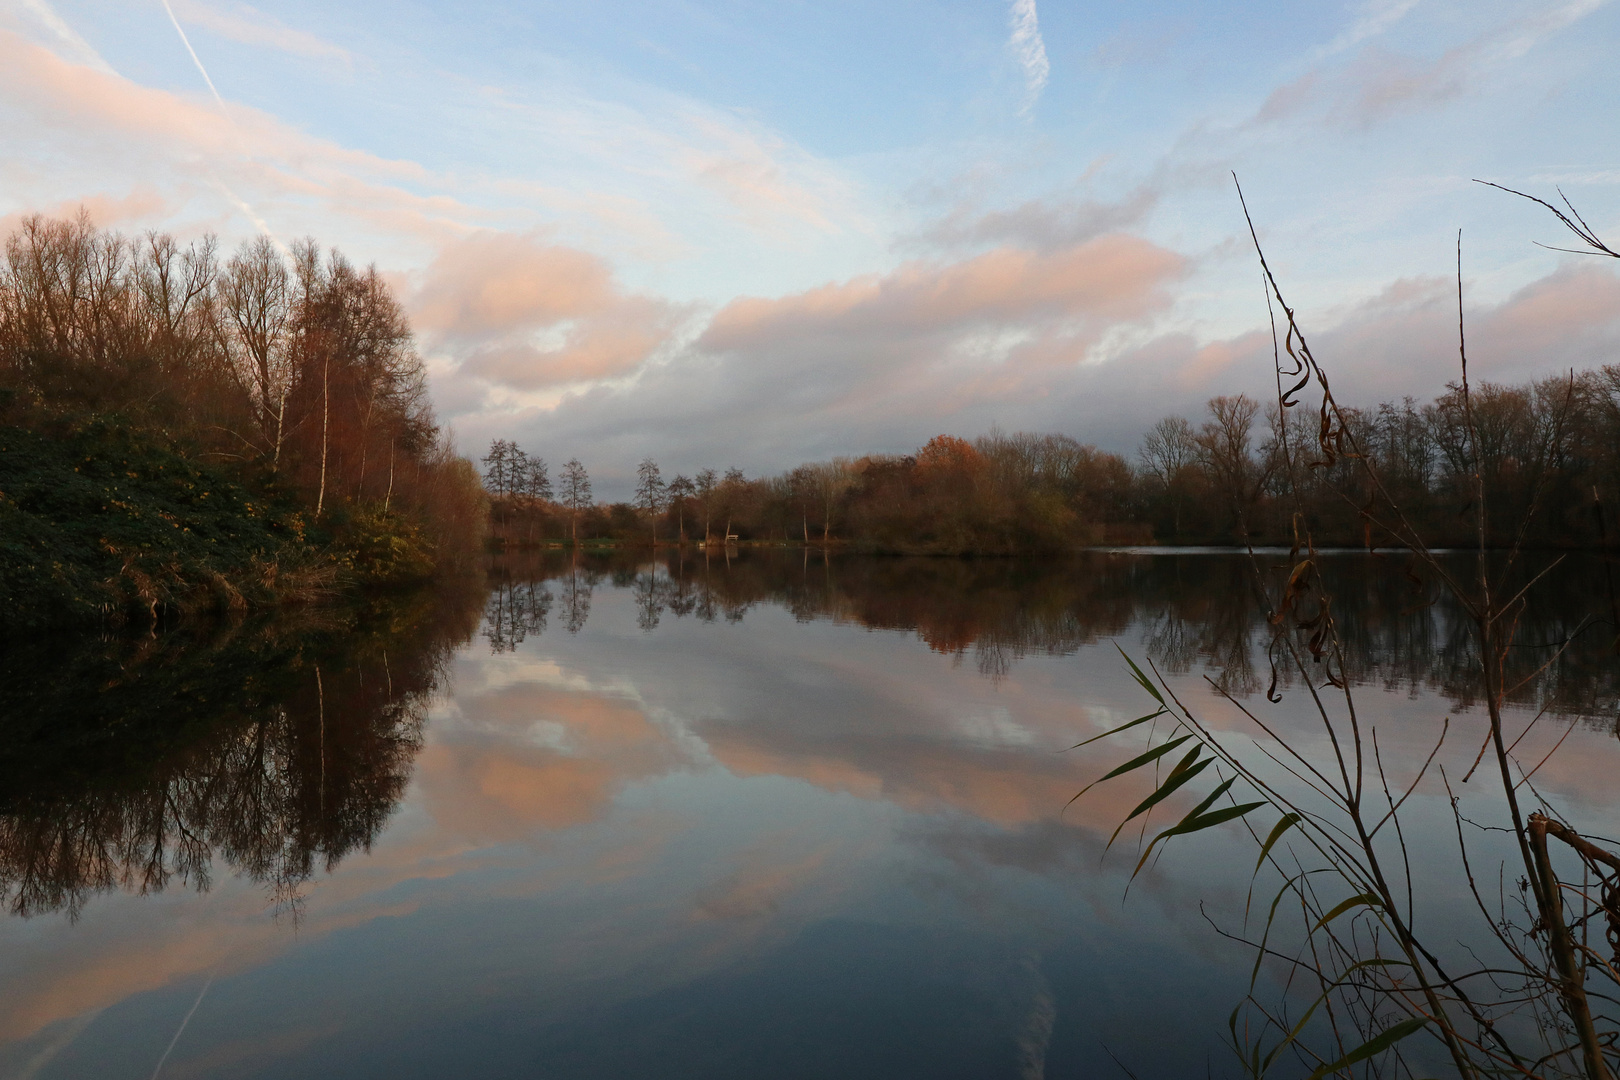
point(1109, 278)
point(107, 211)
point(520, 312)
point(490, 283)
point(94, 100)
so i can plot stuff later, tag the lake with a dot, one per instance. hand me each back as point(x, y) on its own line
point(774, 814)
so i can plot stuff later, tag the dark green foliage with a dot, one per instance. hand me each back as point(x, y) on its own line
point(98, 522)
point(102, 523)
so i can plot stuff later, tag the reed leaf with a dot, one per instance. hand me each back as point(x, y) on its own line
point(1287, 822)
point(1123, 727)
point(1187, 768)
point(1360, 900)
point(1147, 684)
point(1373, 1046)
point(1136, 763)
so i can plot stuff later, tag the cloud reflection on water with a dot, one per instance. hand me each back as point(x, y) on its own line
point(600, 817)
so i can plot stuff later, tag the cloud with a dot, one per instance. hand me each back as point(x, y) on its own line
point(81, 50)
point(761, 886)
point(519, 312)
point(765, 180)
point(927, 336)
point(1029, 50)
point(142, 203)
point(248, 25)
point(1378, 84)
point(1384, 84)
point(1108, 278)
point(97, 117)
point(710, 164)
point(1377, 16)
point(666, 177)
point(882, 363)
point(1375, 86)
point(877, 362)
point(1042, 224)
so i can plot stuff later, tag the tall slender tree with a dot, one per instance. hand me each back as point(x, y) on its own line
point(536, 482)
point(681, 492)
point(650, 492)
point(574, 487)
point(731, 491)
point(706, 484)
point(498, 466)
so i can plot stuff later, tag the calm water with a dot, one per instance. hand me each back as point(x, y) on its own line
point(776, 816)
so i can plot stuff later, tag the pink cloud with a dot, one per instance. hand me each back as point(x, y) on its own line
point(1115, 277)
point(517, 311)
point(143, 203)
point(1382, 84)
point(255, 155)
point(491, 283)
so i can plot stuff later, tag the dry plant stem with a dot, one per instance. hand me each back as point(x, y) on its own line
point(1359, 981)
point(1595, 245)
point(1419, 960)
point(1563, 949)
point(1485, 615)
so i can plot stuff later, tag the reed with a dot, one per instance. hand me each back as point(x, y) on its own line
point(1367, 986)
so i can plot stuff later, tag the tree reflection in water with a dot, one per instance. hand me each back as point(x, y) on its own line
point(1196, 612)
point(277, 749)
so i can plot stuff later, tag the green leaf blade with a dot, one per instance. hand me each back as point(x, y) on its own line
point(1374, 1046)
point(1136, 763)
point(1287, 822)
point(1359, 900)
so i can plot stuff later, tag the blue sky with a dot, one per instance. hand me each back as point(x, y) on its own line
point(758, 233)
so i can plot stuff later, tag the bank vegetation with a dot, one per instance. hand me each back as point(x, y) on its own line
point(184, 430)
point(1221, 478)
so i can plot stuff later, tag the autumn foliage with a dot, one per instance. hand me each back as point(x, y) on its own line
point(288, 372)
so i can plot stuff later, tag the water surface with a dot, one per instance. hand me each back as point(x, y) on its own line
point(776, 814)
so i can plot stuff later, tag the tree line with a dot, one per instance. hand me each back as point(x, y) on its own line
point(1552, 445)
point(287, 369)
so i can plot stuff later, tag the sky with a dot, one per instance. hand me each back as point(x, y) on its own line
point(726, 232)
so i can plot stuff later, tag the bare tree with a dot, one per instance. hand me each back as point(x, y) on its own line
point(1224, 449)
point(650, 492)
point(256, 293)
point(681, 490)
point(1168, 452)
point(536, 481)
point(826, 483)
point(706, 485)
point(574, 488)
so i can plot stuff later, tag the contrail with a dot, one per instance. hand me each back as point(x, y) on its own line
point(210, 981)
point(187, 43)
point(241, 203)
point(252, 215)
